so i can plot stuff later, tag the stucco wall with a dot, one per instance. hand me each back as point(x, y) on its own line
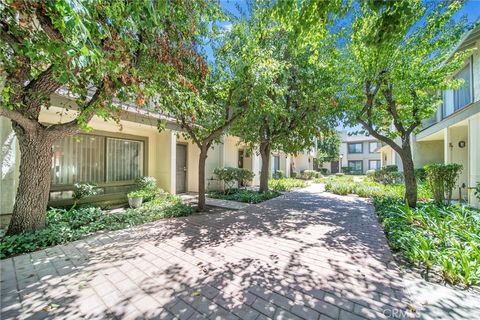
point(9, 169)
point(158, 146)
point(474, 156)
point(455, 154)
point(428, 152)
point(476, 72)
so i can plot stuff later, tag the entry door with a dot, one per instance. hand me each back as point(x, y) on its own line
point(276, 164)
point(334, 166)
point(240, 158)
point(181, 168)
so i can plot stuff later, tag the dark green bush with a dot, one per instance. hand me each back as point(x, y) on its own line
point(346, 170)
point(69, 225)
point(244, 195)
point(293, 174)
point(421, 174)
point(324, 171)
point(391, 168)
point(444, 238)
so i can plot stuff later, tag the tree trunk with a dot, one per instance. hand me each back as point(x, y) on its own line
point(201, 178)
point(33, 190)
point(265, 170)
point(409, 175)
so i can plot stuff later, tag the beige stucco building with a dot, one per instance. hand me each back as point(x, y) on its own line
point(113, 155)
point(358, 152)
point(452, 134)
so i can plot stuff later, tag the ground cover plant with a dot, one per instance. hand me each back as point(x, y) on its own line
point(367, 188)
point(440, 238)
point(244, 195)
point(64, 225)
point(285, 184)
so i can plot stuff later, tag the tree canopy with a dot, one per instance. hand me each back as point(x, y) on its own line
point(397, 60)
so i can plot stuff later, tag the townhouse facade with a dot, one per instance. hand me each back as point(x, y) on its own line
point(452, 134)
point(357, 152)
point(113, 155)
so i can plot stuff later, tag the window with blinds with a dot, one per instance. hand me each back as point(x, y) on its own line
point(96, 159)
point(78, 159)
point(124, 159)
point(463, 96)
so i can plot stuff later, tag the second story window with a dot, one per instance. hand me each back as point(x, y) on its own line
point(355, 147)
point(463, 96)
point(372, 146)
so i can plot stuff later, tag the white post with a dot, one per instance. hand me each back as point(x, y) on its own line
point(256, 166)
point(173, 161)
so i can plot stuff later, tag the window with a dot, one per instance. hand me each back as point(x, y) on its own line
point(463, 96)
point(355, 148)
point(373, 164)
point(97, 159)
point(372, 146)
point(124, 159)
point(78, 159)
point(356, 166)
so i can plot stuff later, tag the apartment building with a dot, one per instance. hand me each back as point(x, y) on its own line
point(113, 155)
point(358, 152)
point(452, 134)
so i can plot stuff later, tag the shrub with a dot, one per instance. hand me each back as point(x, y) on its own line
point(285, 184)
point(388, 175)
point(69, 225)
point(391, 168)
point(293, 174)
point(370, 174)
point(83, 190)
point(346, 170)
point(317, 175)
point(421, 174)
point(371, 189)
point(339, 174)
point(442, 178)
point(148, 187)
point(146, 183)
point(137, 194)
point(231, 176)
point(308, 174)
point(434, 236)
point(279, 174)
point(244, 195)
point(245, 176)
point(324, 171)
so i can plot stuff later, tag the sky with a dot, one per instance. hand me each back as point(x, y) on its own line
point(471, 10)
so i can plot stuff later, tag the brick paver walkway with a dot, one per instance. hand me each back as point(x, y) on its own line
point(305, 255)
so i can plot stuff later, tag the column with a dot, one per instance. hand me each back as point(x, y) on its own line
point(446, 148)
point(473, 145)
point(287, 166)
point(173, 161)
point(256, 166)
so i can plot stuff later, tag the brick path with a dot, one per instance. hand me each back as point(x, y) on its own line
point(306, 255)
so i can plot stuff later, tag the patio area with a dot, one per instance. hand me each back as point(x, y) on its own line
point(305, 255)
